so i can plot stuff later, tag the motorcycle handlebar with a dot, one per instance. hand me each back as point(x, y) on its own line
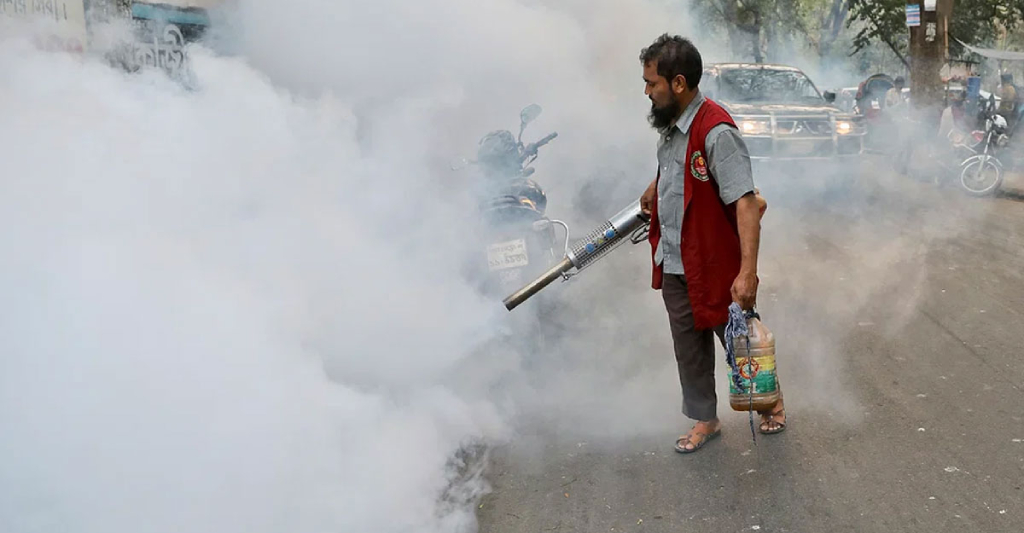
point(547, 139)
point(532, 149)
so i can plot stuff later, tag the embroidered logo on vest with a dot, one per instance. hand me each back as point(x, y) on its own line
point(698, 166)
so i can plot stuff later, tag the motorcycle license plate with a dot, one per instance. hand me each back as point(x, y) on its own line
point(509, 254)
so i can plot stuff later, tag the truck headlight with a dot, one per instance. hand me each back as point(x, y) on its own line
point(755, 126)
point(848, 126)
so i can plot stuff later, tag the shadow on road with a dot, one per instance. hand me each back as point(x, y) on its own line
point(884, 292)
point(1012, 194)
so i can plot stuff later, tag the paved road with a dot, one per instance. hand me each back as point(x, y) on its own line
point(899, 312)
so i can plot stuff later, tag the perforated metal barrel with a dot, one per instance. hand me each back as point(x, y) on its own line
point(607, 236)
point(586, 251)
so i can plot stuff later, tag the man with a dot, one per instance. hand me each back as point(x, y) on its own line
point(894, 96)
point(705, 227)
point(953, 116)
point(1008, 99)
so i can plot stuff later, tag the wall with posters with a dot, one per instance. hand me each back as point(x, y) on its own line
point(160, 29)
point(60, 24)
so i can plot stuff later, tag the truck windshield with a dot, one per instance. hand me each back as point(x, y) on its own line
point(762, 85)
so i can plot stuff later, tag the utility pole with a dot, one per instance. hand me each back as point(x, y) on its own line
point(929, 46)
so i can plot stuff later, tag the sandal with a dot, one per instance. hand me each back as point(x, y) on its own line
point(681, 442)
point(780, 425)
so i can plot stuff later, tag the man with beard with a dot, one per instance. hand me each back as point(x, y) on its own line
point(705, 227)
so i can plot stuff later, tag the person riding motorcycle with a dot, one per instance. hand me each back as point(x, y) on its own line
point(498, 155)
point(501, 162)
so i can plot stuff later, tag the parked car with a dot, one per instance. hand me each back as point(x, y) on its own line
point(781, 114)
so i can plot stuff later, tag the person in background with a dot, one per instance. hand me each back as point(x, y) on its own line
point(894, 96)
point(705, 227)
point(1008, 99)
point(954, 116)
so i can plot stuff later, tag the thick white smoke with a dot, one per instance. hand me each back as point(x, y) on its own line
point(178, 266)
point(240, 308)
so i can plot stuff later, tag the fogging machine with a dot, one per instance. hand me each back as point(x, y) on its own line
point(629, 224)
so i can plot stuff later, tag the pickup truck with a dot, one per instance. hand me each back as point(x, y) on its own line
point(781, 114)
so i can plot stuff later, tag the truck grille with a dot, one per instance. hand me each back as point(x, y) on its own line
point(799, 148)
point(803, 127)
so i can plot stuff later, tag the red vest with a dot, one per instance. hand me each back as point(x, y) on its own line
point(710, 238)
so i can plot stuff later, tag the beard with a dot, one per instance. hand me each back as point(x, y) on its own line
point(662, 117)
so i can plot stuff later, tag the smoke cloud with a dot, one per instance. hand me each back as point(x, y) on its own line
point(243, 307)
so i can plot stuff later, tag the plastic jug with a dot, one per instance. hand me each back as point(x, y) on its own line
point(757, 370)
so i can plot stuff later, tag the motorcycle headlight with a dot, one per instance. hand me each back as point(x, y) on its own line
point(755, 126)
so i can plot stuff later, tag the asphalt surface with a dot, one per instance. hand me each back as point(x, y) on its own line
point(899, 312)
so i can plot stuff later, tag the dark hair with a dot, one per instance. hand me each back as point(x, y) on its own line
point(899, 80)
point(675, 56)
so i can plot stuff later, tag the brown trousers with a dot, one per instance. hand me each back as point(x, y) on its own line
point(695, 351)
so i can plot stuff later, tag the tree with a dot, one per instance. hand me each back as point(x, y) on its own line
point(881, 20)
point(769, 29)
point(828, 18)
point(974, 22)
point(978, 22)
point(754, 26)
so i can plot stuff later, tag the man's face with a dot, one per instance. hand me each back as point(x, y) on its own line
point(665, 106)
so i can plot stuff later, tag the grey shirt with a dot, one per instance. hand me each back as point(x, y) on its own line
point(728, 162)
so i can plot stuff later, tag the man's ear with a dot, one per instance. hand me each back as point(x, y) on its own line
point(679, 84)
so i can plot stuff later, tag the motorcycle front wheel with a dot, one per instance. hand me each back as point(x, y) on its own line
point(981, 175)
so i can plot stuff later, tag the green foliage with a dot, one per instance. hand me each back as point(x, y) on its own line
point(761, 29)
point(975, 22)
point(883, 20)
point(874, 31)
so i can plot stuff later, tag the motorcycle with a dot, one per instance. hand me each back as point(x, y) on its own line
point(970, 158)
point(981, 174)
point(520, 241)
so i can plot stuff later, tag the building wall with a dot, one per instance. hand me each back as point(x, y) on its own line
point(160, 29)
point(58, 24)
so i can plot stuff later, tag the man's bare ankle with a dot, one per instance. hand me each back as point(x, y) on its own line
point(713, 423)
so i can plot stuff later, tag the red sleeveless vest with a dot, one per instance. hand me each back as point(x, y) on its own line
point(710, 238)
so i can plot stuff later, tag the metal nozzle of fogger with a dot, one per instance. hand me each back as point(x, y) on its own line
point(629, 224)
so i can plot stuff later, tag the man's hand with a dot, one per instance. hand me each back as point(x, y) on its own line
point(647, 200)
point(744, 290)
